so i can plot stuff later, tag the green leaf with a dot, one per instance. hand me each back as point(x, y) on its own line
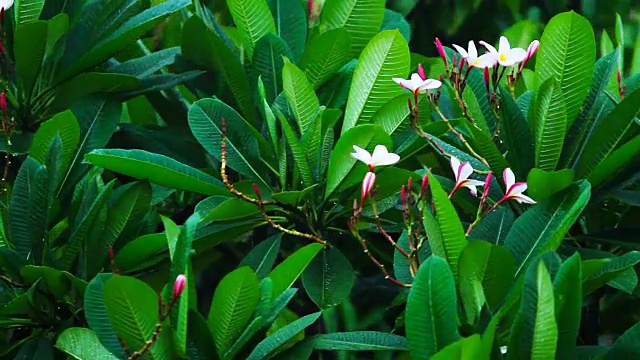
point(517, 135)
point(29, 45)
point(273, 342)
point(98, 118)
point(543, 184)
point(117, 39)
point(262, 257)
point(567, 54)
point(26, 11)
point(613, 267)
point(96, 314)
point(83, 344)
point(486, 273)
point(268, 60)
point(203, 46)
point(538, 313)
point(342, 163)
point(544, 226)
point(159, 169)
point(67, 93)
point(132, 307)
point(302, 99)
point(549, 123)
point(393, 20)
point(244, 143)
point(608, 134)
point(484, 145)
point(253, 19)
point(28, 208)
point(288, 271)
point(291, 24)
point(65, 125)
point(494, 227)
point(94, 205)
point(616, 161)
point(361, 18)
point(584, 125)
point(453, 239)
point(297, 149)
point(385, 57)
point(431, 309)
point(325, 55)
point(568, 305)
point(360, 341)
point(233, 304)
point(329, 278)
point(462, 348)
point(627, 345)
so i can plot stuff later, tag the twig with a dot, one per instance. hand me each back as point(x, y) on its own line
point(11, 282)
point(147, 345)
point(373, 259)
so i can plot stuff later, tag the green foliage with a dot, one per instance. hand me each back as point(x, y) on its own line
point(179, 180)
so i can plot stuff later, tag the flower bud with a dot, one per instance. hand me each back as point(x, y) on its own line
point(367, 185)
point(487, 80)
point(485, 191)
point(443, 55)
point(178, 286)
point(423, 76)
point(3, 103)
point(403, 196)
point(425, 183)
point(410, 184)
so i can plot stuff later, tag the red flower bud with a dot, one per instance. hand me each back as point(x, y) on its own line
point(485, 191)
point(403, 196)
point(410, 184)
point(423, 76)
point(425, 183)
point(178, 286)
point(3, 102)
point(367, 185)
point(487, 79)
point(443, 55)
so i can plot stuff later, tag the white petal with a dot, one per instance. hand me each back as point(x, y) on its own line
point(473, 52)
point(462, 51)
point(361, 154)
point(517, 189)
point(524, 199)
point(474, 182)
point(485, 61)
point(430, 84)
point(415, 78)
point(6, 4)
point(472, 189)
point(455, 166)
point(504, 45)
point(517, 55)
point(387, 159)
point(399, 81)
point(489, 47)
point(465, 171)
point(509, 178)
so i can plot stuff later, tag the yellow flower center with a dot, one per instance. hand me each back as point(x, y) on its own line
point(503, 57)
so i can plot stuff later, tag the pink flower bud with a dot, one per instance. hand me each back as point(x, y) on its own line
point(178, 286)
point(485, 192)
point(487, 79)
point(3, 102)
point(423, 76)
point(532, 49)
point(256, 189)
point(367, 185)
point(410, 184)
point(403, 196)
point(443, 55)
point(425, 183)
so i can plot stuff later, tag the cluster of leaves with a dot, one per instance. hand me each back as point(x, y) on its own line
point(242, 180)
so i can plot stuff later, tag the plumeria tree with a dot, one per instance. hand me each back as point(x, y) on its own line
point(287, 179)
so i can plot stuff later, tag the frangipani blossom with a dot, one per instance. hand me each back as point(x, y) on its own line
point(472, 58)
point(380, 156)
point(462, 172)
point(416, 85)
point(6, 4)
point(514, 189)
point(505, 55)
point(531, 50)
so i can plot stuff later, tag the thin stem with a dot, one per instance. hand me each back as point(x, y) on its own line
point(380, 266)
point(384, 233)
point(459, 135)
point(147, 345)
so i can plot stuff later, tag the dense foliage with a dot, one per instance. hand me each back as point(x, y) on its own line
point(292, 179)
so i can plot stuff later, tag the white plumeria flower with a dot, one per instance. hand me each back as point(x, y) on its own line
point(416, 85)
point(380, 156)
point(505, 55)
point(514, 189)
point(472, 58)
point(462, 172)
point(6, 4)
